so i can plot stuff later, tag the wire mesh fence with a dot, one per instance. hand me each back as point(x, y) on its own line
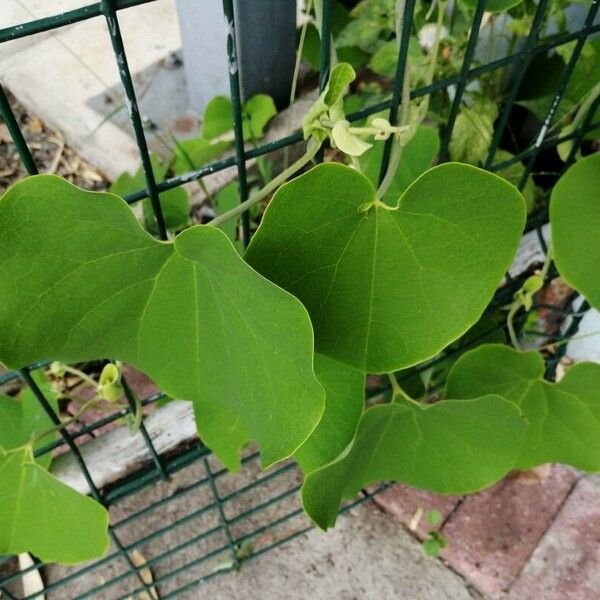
point(211, 519)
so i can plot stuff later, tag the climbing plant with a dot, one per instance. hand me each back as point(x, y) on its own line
point(343, 278)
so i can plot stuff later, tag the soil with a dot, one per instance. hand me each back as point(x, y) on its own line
point(49, 151)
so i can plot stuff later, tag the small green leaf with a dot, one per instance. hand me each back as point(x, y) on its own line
point(434, 544)
point(387, 289)
point(217, 118)
point(575, 220)
point(564, 417)
point(451, 447)
point(191, 314)
point(494, 5)
point(417, 157)
point(259, 110)
point(473, 130)
point(344, 401)
point(41, 515)
point(23, 418)
point(174, 202)
point(330, 103)
point(256, 113)
point(195, 153)
point(342, 76)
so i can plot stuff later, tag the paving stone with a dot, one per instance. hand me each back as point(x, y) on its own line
point(403, 502)
point(566, 563)
point(493, 533)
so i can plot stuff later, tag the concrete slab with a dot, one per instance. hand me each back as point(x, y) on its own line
point(56, 78)
point(366, 556)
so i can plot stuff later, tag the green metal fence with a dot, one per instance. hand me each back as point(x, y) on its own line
point(262, 508)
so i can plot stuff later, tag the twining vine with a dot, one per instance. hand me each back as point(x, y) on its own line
point(344, 277)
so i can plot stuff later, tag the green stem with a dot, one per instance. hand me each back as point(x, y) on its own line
point(511, 326)
point(85, 407)
point(84, 376)
point(311, 151)
point(397, 391)
point(286, 151)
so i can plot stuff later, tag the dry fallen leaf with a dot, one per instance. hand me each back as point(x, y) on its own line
point(137, 558)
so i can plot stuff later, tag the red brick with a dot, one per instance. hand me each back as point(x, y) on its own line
point(566, 564)
point(492, 534)
point(403, 501)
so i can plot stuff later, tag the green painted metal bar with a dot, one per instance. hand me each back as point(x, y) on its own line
point(463, 80)
point(401, 65)
point(16, 134)
point(296, 137)
point(521, 67)
point(222, 516)
point(109, 10)
point(562, 88)
point(15, 32)
point(236, 104)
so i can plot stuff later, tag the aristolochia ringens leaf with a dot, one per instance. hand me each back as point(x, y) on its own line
point(82, 280)
point(451, 447)
point(23, 418)
point(575, 220)
point(387, 287)
point(39, 514)
point(344, 402)
point(564, 417)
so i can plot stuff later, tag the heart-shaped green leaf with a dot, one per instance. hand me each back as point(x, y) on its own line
point(344, 402)
point(575, 220)
point(23, 418)
point(82, 280)
point(39, 514)
point(564, 417)
point(451, 447)
point(388, 288)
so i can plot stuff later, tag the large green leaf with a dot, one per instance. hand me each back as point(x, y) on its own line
point(575, 219)
point(23, 418)
point(451, 447)
point(564, 417)
point(417, 157)
point(39, 514)
point(82, 280)
point(344, 402)
point(388, 288)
